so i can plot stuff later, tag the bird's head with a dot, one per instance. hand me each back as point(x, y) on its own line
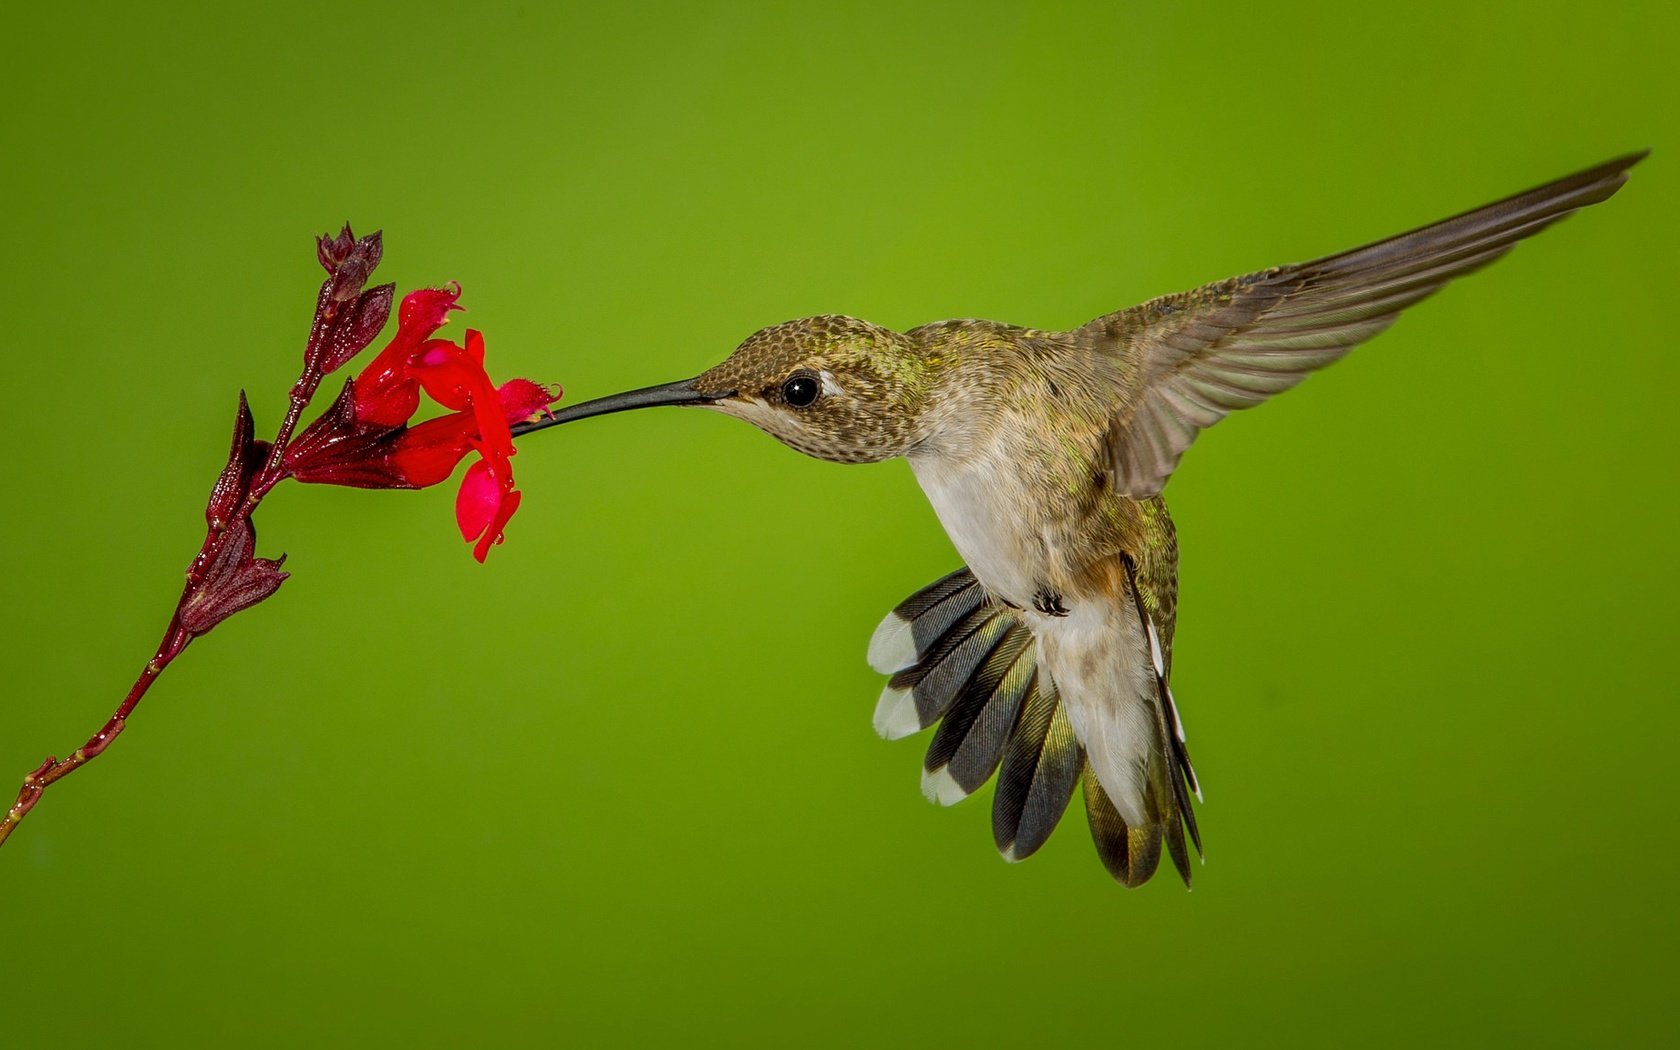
point(836, 388)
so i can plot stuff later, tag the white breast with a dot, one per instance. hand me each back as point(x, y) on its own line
point(979, 500)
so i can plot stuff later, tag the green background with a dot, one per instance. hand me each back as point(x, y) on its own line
point(619, 786)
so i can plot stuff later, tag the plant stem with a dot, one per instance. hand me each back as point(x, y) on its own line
point(54, 769)
point(176, 638)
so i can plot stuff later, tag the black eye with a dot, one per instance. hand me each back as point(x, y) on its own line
point(801, 390)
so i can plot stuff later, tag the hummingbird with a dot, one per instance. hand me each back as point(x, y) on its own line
point(1047, 658)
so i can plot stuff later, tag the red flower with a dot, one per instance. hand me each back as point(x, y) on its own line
point(365, 441)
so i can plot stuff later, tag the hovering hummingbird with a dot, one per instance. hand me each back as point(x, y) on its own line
point(1048, 658)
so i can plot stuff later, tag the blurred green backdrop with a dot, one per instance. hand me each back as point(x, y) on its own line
point(619, 786)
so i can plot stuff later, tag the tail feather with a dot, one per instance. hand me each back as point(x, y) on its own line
point(941, 676)
point(931, 644)
point(1131, 854)
point(1182, 777)
point(970, 740)
point(1040, 769)
point(921, 620)
point(1176, 848)
point(973, 667)
point(1168, 797)
point(919, 696)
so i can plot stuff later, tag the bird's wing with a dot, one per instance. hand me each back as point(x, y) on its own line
point(1202, 354)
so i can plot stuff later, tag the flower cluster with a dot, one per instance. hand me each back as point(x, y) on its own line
point(367, 438)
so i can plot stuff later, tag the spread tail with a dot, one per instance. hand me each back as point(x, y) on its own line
point(971, 665)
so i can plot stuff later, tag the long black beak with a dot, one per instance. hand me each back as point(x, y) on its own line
point(679, 393)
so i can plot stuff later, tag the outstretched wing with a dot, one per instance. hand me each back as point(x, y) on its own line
point(1202, 354)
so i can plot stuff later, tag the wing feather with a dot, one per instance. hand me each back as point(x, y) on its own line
point(1203, 354)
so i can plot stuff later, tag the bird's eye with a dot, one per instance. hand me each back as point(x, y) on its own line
point(801, 390)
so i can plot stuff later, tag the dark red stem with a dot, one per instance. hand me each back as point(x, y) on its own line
point(176, 638)
point(55, 769)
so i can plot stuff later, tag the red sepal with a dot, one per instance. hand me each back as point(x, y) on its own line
point(339, 449)
point(245, 458)
point(232, 582)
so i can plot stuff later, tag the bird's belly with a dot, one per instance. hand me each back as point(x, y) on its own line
point(986, 512)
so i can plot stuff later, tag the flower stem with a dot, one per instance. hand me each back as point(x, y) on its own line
point(272, 473)
point(176, 638)
point(54, 769)
point(303, 391)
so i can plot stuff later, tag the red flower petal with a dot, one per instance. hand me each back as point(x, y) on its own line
point(386, 390)
point(385, 398)
point(484, 505)
point(448, 375)
point(495, 533)
point(369, 441)
point(521, 399)
point(424, 310)
point(426, 453)
point(477, 501)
